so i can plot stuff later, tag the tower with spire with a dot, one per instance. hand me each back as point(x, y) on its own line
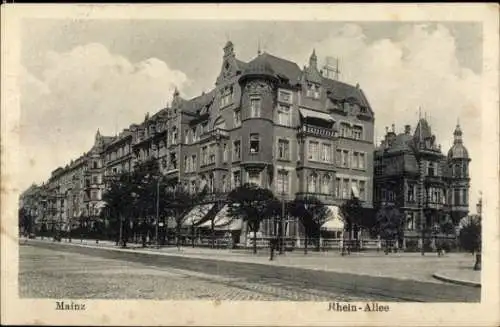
point(458, 173)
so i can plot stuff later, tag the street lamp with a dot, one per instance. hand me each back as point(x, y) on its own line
point(157, 211)
point(283, 173)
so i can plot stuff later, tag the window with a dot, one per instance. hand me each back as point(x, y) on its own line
point(284, 115)
point(186, 164)
point(236, 150)
point(337, 187)
point(93, 195)
point(115, 170)
point(344, 130)
point(193, 187)
point(225, 153)
point(411, 193)
point(313, 182)
point(204, 155)
point(255, 107)
point(193, 163)
point(212, 154)
point(94, 180)
point(464, 198)
point(283, 149)
point(338, 158)
point(211, 183)
point(313, 153)
point(254, 143)
point(313, 90)
point(464, 169)
point(431, 169)
point(345, 158)
point(326, 150)
point(355, 159)
point(326, 185)
point(362, 190)
point(410, 221)
point(194, 134)
point(285, 96)
point(237, 118)
point(94, 165)
point(361, 161)
point(254, 178)
point(357, 132)
point(237, 178)
point(282, 183)
point(187, 136)
point(224, 183)
point(226, 96)
point(345, 188)
point(174, 135)
point(204, 128)
point(173, 161)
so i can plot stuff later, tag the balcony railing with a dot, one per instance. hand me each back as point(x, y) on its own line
point(318, 131)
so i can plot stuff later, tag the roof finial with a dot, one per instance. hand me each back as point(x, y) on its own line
point(458, 121)
point(419, 112)
point(258, 47)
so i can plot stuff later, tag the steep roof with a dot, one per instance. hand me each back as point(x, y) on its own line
point(341, 91)
point(423, 130)
point(280, 66)
point(197, 103)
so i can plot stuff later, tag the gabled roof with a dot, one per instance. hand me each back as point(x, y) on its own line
point(197, 103)
point(341, 91)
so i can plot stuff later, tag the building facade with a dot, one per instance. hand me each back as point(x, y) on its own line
point(428, 187)
point(266, 121)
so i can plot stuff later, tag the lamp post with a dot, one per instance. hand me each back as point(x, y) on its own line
point(157, 211)
point(479, 209)
point(281, 237)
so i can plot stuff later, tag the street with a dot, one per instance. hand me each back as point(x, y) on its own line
point(63, 271)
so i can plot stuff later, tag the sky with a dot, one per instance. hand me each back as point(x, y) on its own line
point(78, 76)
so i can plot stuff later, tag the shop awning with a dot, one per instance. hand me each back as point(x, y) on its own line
point(196, 214)
point(223, 221)
point(306, 113)
point(334, 221)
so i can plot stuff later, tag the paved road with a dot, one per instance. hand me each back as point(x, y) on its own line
point(58, 271)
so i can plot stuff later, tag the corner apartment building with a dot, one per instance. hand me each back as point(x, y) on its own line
point(267, 121)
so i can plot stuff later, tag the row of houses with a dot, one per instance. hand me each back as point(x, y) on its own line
point(269, 122)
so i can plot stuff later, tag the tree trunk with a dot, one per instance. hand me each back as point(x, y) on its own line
point(306, 240)
point(212, 230)
point(254, 242)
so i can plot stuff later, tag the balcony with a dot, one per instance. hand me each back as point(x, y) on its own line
point(316, 131)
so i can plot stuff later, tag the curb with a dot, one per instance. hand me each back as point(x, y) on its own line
point(455, 281)
point(201, 257)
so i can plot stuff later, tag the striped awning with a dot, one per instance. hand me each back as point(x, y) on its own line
point(334, 221)
point(223, 221)
point(196, 214)
point(306, 113)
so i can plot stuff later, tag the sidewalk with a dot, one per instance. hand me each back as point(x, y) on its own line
point(404, 266)
point(461, 276)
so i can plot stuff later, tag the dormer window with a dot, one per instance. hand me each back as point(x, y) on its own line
point(226, 96)
point(313, 90)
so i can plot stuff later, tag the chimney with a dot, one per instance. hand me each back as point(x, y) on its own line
point(407, 129)
point(393, 128)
